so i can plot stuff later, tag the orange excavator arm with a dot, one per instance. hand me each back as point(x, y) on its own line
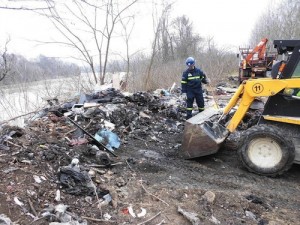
point(260, 49)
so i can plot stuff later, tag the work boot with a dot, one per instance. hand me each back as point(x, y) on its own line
point(201, 110)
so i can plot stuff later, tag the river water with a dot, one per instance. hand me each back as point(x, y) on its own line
point(21, 99)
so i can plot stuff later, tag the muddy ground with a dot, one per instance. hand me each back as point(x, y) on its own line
point(148, 173)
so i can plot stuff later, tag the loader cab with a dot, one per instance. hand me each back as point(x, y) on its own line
point(290, 49)
point(287, 67)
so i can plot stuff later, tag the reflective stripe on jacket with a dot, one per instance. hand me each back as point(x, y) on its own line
point(192, 79)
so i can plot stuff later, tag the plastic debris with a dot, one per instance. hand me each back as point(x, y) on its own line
point(37, 179)
point(60, 216)
point(103, 158)
point(107, 137)
point(106, 200)
point(57, 196)
point(144, 115)
point(250, 215)
point(72, 180)
point(79, 141)
point(4, 220)
point(92, 173)
point(106, 216)
point(130, 210)
point(164, 93)
point(61, 208)
point(18, 202)
point(109, 125)
point(214, 220)
point(78, 108)
point(142, 213)
point(107, 197)
point(125, 211)
point(74, 162)
point(77, 182)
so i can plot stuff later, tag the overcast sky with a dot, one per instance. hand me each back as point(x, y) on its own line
point(230, 22)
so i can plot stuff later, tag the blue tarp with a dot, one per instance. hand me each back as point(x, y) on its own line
point(108, 138)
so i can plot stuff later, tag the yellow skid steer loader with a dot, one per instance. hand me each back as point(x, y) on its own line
point(272, 145)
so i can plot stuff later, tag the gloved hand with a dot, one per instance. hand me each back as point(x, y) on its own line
point(183, 95)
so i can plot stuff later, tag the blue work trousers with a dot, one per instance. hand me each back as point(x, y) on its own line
point(191, 96)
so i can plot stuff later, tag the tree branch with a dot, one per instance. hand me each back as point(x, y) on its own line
point(23, 8)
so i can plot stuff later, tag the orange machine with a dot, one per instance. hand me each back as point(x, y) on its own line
point(254, 63)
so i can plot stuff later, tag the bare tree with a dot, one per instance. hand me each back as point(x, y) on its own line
point(164, 40)
point(89, 28)
point(217, 62)
point(186, 42)
point(128, 25)
point(158, 27)
point(5, 62)
point(280, 21)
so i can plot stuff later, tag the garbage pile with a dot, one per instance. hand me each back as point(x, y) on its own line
point(86, 161)
point(71, 150)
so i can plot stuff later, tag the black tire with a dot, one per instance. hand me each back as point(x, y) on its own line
point(264, 150)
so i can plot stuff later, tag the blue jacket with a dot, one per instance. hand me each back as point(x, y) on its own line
point(192, 80)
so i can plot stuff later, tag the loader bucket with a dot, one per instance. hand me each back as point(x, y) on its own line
point(203, 135)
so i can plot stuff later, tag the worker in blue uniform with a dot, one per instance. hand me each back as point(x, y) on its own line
point(191, 86)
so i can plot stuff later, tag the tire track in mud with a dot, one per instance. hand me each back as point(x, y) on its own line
point(219, 175)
